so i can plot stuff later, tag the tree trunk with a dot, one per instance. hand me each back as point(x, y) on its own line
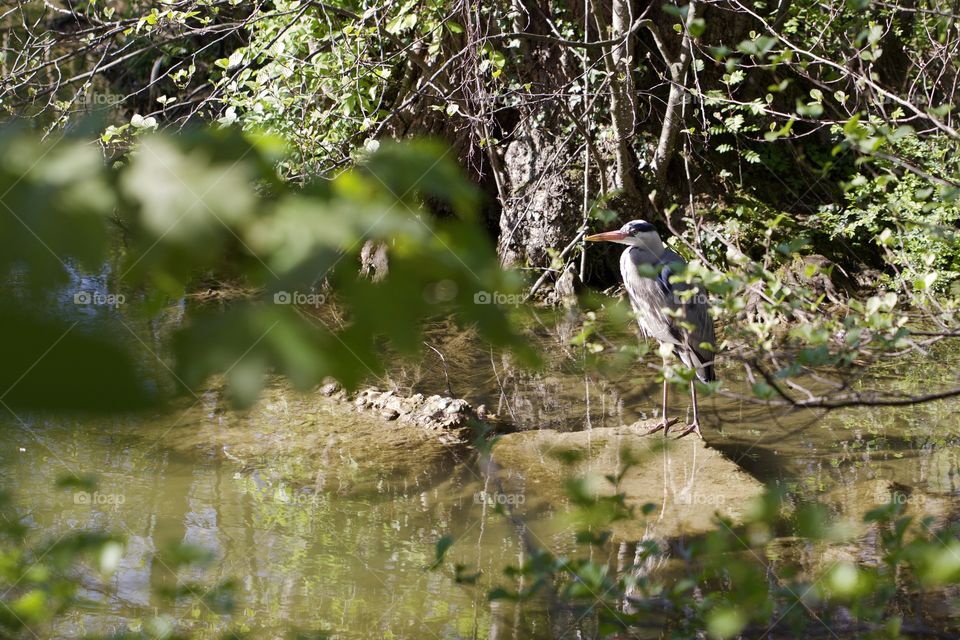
point(672, 118)
point(622, 97)
point(677, 68)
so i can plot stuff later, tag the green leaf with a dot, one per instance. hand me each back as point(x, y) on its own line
point(31, 606)
point(442, 546)
point(763, 390)
point(697, 27)
point(726, 622)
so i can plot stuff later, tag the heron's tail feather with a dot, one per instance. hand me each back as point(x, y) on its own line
point(701, 363)
point(707, 373)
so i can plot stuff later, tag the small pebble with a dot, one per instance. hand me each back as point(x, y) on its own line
point(330, 388)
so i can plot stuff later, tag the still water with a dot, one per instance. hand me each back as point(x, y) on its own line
point(327, 537)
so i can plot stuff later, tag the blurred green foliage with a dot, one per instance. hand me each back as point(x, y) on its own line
point(210, 202)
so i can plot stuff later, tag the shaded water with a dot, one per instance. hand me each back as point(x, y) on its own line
point(326, 560)
point(324, 541)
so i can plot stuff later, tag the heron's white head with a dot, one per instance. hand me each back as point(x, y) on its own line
point(638, 233)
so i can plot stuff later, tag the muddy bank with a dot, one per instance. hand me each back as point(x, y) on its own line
point(400, 439)
point(329, 441)
point(688, 481)
point(374, 440)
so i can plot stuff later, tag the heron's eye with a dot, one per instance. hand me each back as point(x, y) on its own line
point(642, 227)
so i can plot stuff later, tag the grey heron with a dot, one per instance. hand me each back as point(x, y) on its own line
point(662, 309)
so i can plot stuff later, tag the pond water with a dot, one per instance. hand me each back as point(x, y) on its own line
point(323, 541)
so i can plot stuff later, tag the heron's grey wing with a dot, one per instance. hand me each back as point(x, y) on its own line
point(663, 280)
point(700, 339)
point(648, 297)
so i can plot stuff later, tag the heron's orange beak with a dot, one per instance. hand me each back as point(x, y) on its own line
point(607, 236)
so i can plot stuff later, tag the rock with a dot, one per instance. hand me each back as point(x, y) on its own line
point(567, 286)
point(330, 388)
point(456, 406)
point(374, 262)
point(687, 480)
point(432, 413)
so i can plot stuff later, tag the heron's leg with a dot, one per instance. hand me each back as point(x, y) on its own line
point(694, 427)
point(666, 389)
point(664, 423)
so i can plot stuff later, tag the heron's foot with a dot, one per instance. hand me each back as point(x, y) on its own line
point(663, 425)
point(691, 428)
